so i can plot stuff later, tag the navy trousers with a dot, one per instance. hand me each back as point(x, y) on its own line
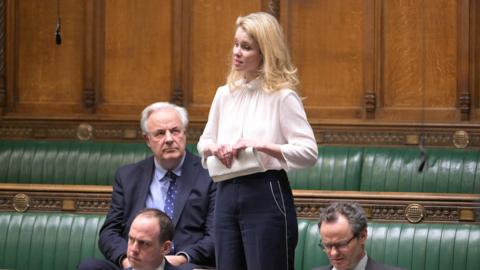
point(255, 223)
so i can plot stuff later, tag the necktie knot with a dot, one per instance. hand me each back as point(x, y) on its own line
point(171, 175)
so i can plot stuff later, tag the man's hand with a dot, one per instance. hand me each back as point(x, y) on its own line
point(176, 260)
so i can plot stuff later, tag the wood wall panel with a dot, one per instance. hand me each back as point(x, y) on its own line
point(372, 71)
point(475, 58)
point(419, 61)
point(326, 39)
point(48, 77)
point(138, 55)
point(212, 27)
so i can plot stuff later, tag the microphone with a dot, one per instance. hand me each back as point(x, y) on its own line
point(58, 36)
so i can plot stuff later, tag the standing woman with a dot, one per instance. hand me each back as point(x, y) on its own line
point(255, 221)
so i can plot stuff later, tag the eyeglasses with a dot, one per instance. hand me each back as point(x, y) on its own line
point(159, 134)
point(338, 246)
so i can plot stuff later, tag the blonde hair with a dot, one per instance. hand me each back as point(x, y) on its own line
point(276, 68)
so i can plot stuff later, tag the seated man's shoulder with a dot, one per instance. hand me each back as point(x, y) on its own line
point(323, 268)
point(139, 165)
point(373, 265)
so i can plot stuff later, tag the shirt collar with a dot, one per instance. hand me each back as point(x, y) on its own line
point(249, 86)
point(161, 171)
point(360, 265)
point(160, 267)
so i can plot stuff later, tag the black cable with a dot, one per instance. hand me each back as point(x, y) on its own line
point(423, 153)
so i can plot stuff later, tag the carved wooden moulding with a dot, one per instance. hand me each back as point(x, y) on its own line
point(24, 197)
point(22, 202)
point(398, 207)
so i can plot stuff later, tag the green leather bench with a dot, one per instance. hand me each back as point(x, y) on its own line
point(337, 168)
point(426, 246)
point(355, 168)
point(397, 169)
point(58, 241)
point(391, 169)
point(47, 241)
point(67, 162)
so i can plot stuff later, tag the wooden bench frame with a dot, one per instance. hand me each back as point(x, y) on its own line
point(382, 206)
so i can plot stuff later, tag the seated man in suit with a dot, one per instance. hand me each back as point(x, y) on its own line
point(149, 240)
point(171, 180)
point(343, 230)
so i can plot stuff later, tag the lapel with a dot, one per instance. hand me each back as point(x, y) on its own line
point(185, 182)
point(144, 180)
point(371, 264)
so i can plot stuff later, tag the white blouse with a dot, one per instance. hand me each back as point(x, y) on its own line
point(251, 113)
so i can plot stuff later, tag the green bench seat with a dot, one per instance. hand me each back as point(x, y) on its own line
point(47, 241)
point(59, 241)
point(424, 246)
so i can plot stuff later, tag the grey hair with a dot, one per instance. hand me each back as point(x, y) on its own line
point(182, 113)
point(353, 212)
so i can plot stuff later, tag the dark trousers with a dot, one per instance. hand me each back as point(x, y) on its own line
point(255, 223)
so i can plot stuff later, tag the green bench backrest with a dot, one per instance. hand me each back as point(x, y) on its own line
point(337, 168)
point(47, 241)
point(58, 241)
point(411, 246)
point(396, 169)
point(67, 162)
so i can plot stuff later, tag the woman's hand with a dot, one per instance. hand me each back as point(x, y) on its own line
point(271, 149)
point(242, 144)
point(223, 152)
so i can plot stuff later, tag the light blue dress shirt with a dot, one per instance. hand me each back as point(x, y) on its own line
point(159, 186)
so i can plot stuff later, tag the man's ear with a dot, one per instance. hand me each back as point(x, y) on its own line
point(166, 247)
point(363, 235)
point(147, 139)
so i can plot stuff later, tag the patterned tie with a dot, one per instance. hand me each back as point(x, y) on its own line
point(171, 193)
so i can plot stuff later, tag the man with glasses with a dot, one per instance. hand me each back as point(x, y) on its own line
point(173, 181)
point(343, 230)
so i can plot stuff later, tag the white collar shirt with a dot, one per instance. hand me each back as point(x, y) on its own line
point(251, 113)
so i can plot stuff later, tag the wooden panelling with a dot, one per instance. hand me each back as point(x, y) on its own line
point(365, 66)
point(475, 58)
point(419, 61)
point(385, 206)
point(138, 55)
point(47, 78)
point(326, 39)
point(212, 27)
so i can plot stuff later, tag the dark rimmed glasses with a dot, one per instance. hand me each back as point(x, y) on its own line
point(342, 245)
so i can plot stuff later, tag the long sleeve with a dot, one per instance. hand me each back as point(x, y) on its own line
point(112, 242)
point(253, 114)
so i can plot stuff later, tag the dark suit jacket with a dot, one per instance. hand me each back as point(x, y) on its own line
point(193, 214)
point(166, 267)
point(371, 265)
